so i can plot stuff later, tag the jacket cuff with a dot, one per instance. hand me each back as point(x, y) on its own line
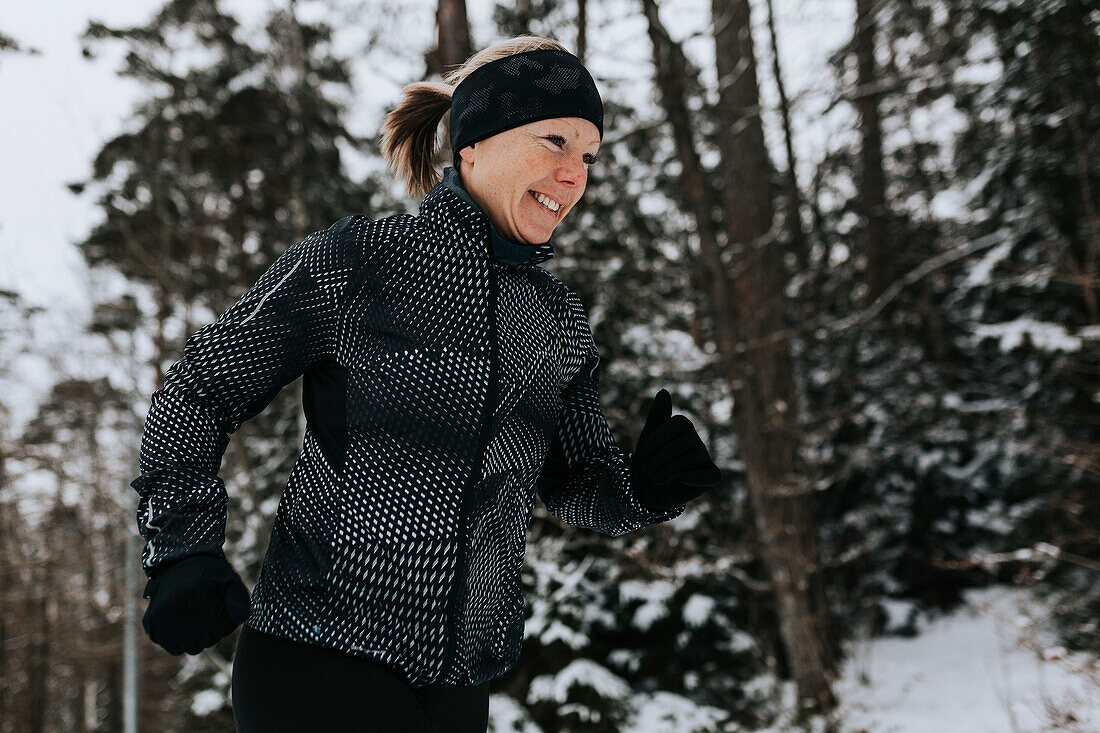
point(181, 512)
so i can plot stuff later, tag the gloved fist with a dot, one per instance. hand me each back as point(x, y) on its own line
point(195, 601)
point(670, 466)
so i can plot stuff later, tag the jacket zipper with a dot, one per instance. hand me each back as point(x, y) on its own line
point(451, 636)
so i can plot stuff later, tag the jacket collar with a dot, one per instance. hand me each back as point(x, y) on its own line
point(450, 199)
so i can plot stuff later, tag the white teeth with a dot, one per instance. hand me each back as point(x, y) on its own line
point(547, 202)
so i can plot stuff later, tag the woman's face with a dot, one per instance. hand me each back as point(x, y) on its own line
point(550, 157)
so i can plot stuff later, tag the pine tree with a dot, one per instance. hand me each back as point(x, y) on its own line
point(234, 156)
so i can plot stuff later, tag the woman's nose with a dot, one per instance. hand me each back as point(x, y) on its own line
point(572, 170)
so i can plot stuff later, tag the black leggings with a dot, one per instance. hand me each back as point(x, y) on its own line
point(284, 685)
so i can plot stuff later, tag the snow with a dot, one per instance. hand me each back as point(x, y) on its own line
point(698, 609)
point(206, 702)
point(899, 613)
point(655, 595)
point(558, 631)
point(972, 671)
point(630, 659)
point(1043, 335)
point(991, 666)
point(505, 714)
point(581, 673)
point(667, 345)
point(980, 272)
point(664, 711)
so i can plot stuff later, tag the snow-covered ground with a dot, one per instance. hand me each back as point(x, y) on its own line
point(992, 666)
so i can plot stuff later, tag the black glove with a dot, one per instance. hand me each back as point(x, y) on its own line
point(670, 466)
point(195, 601)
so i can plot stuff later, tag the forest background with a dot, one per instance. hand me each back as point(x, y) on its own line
point(857, 240)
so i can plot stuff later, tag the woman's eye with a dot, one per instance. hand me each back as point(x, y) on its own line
point(589, 159)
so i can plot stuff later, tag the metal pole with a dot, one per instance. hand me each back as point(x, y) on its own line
point(110, 318)
point(130, 682)
point(133, 567)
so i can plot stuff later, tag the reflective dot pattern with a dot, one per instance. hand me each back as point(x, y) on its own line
point(469, 387)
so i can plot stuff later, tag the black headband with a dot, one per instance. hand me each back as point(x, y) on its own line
point(522, 88)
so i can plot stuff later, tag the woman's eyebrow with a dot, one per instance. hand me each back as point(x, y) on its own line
point(572, 137)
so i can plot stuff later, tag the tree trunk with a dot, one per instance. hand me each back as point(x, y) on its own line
point(453, 45)
point(799, 245)
point(872, 186)
point(674, 75)
point(760, 368)
point(38, 666)
point(582, 29)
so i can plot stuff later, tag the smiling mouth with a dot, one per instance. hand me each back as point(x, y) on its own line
point(544, 207)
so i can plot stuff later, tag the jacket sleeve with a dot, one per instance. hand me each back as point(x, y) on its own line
point(230, 371)
point(585, 481)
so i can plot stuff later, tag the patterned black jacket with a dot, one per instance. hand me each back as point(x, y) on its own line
point(448, 378)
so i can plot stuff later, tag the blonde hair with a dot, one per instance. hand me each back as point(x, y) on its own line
point(408, 136)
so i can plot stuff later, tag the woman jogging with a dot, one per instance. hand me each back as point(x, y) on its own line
point(448, 379)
